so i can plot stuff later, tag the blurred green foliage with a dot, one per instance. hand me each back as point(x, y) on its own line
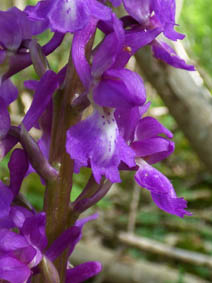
point(196, 22)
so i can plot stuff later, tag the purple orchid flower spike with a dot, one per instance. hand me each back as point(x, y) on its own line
point(109, 88)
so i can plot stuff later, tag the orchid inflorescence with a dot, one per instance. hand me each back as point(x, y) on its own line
point(116, 135)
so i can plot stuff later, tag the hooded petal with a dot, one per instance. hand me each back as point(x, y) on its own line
point(83, 272)
point(139, 10)
point(149, 127)
point(120, 89)
point(153, 149)
point(127, 120)
point(162, 191)
point(104, 55)
point(164, 52)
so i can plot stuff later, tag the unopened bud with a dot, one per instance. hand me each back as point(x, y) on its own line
point(49, 271)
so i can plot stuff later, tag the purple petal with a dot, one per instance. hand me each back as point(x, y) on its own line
point(165, 14)
point(79, 42)
point(134, 40)
point(31, 84)
point(74, 15)
point(40, 10)
point(104, 55)
point(68, 239)
point(10, 241)
point(42, 97)
point(83, 272)
point(34, 230)
point(81, 222)
point(6, 145)
point(127, 120)
point(2, 56)
point(19, 214)
point(13, 271)
point(153, 149)
point(98, 11)
point(6, 198)
point(4, 119)
point(120, 89)
point(8, 92)
point(139, 10)
point(116, 3)
point(149, 127)
point(164, 52)
point(162, 191)
point(10, 31)
point(18, 166)
point(68, 16)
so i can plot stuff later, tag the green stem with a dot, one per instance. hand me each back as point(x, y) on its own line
point(57, 196)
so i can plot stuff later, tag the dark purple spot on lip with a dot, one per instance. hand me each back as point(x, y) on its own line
point(68, 11)
point(103, 116)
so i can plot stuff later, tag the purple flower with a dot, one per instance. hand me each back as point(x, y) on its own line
point(96, 142)
point(69, 15)
point(15, 28)
point(151, 14)
point(150, 147)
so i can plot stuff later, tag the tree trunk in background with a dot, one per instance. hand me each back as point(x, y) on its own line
point(188, 102)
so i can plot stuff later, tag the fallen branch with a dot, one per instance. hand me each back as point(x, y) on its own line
point(127, 270)
point(153, 246)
